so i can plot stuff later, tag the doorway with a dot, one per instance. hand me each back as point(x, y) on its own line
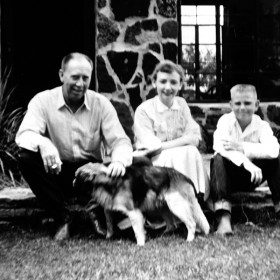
point(35, 35)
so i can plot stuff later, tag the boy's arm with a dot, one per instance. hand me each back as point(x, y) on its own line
point(224, 145)
point(267, 148)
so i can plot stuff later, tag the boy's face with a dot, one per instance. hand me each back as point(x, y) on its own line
point(244, 105)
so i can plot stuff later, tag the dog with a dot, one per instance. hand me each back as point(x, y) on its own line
point(143, 188)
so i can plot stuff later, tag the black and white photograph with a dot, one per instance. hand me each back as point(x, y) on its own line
point(140, 139)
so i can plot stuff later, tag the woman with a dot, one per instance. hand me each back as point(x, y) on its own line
point(164, 123)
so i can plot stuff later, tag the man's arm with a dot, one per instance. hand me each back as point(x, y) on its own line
point(268, 146)
point(30, 137)
point(224, 145)
point(116, 141)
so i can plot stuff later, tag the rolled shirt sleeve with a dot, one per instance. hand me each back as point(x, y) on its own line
point(268, 146)
point(33, 127)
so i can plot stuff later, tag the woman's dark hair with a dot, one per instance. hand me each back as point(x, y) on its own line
point(167, 66)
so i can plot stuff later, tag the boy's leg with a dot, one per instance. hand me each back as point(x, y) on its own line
point(220, 193)
point(271, 173)
point(226, 178)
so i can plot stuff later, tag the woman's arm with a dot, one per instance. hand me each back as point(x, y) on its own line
point(189, 139)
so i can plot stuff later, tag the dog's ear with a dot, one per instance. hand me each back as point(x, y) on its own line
point(88, 171)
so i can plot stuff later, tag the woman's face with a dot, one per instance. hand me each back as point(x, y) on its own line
point(167, 86)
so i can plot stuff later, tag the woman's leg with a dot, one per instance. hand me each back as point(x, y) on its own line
point(188, 161)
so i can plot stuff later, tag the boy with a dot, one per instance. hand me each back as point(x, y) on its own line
point(246, 154)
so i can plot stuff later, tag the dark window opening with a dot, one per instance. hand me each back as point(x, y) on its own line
point(223, 43)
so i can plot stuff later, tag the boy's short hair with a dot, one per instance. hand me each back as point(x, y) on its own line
point(243, 88)
point(168, 66)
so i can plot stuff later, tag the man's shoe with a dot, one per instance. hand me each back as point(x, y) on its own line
point(62, 233)
point(99, 230)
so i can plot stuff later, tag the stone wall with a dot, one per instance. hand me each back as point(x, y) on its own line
point(132, 37)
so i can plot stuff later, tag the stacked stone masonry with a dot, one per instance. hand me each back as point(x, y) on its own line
point(132, 37)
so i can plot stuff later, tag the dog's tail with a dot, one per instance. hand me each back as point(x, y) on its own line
point(187, 190)
point(200, 218)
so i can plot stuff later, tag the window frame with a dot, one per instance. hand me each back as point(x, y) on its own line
point(218, 44)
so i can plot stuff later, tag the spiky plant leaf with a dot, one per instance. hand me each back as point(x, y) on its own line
point(10, 120)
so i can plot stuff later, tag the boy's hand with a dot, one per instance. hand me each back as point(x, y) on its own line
point(233, 146)
point(256, 172)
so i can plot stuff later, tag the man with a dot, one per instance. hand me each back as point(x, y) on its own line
point(63, 129)
point(247, 153)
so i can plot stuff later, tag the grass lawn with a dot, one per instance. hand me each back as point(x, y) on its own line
point(27, 251)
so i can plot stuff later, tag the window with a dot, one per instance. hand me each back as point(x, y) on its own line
point(223, 43)
point(201, 47)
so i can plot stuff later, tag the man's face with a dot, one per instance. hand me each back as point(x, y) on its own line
point(244, 105)
point(167, 86)
point(76, 79)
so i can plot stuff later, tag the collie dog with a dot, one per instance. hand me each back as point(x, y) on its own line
point(143, 188)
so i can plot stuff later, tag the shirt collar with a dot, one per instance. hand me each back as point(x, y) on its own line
point(61, 101)
point(161, 107)
point(252, 125)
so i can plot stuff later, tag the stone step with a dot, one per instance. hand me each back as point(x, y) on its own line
point(256, 206)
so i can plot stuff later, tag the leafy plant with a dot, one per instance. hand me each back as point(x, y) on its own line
point(10, 120)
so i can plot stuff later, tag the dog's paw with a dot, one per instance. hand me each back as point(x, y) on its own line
point(140, 242)
point(169, 229)
point(190, 237)
point(109, 235)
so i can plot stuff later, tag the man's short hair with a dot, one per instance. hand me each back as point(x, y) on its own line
point(74, 55)
point(243, 88)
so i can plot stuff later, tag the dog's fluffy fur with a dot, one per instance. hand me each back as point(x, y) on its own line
point(143, 188)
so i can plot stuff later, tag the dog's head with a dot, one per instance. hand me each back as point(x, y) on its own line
point(92, 176)
point(85, 176)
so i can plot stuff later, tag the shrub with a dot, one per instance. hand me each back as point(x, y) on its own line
point(10, 120)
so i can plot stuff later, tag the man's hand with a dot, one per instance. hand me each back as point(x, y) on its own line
point(256, 172)
point(50, 157)
point(232, 146)
point(115, 169)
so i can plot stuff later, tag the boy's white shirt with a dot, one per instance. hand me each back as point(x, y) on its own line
point(257, 139)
